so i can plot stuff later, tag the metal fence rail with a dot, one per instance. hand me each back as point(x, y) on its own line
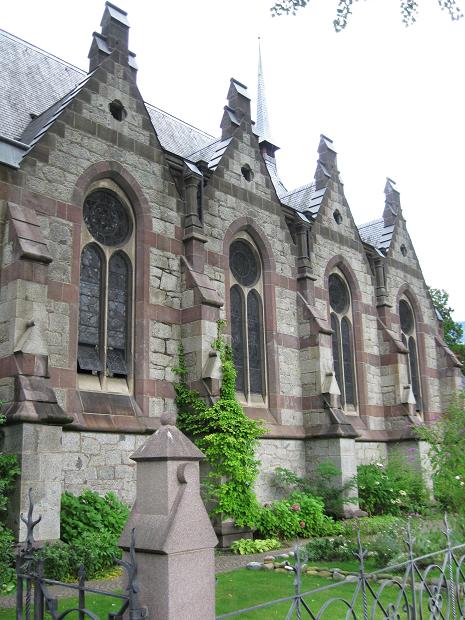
point(33, 598)
point(434, 592)
point(429, 587)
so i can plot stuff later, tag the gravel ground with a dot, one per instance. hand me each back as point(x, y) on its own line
point(223, 562)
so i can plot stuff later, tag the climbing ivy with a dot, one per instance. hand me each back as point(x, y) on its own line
point(225, 435)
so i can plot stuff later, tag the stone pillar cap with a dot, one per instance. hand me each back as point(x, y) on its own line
point(168, 443)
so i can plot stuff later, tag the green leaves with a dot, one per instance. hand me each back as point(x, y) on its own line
point(408, 10)
point(90, 529)
point(245, 546)
point(299, 516)
point(392, 487)
point(225, 435)
point(9, 469)
point(90, 512)
point(447, 455)
point(453, 332)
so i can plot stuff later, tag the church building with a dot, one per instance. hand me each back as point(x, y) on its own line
point(125, 232)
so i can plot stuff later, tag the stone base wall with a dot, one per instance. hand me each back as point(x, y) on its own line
point(272, 453)
point(370, 451)
point(100, 462)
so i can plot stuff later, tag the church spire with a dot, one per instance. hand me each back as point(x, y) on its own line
point(262, 126)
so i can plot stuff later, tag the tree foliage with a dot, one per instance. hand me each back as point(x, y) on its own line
point(453, 331)
point(408, 10)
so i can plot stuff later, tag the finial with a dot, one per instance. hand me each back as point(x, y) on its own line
point(168, 419)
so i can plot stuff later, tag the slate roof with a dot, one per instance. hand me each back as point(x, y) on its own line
point(376, 234)
point(31, 80)
point(38, 126)
point(34, 83)
point(36, 86)
point(212, 153)
point(305, 199)
point(175, 135)
point(270, 163)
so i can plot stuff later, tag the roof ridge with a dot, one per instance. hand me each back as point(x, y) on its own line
point(42, 51)
point(209, 135)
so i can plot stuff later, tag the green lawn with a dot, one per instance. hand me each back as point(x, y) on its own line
point(244, 588)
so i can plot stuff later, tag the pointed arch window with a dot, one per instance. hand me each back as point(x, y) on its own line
point(247, 325)
point(105, 293)
point(342, 339)
point(408, 333)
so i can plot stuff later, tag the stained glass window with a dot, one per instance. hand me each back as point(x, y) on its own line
point(237, 336)
point(336, 353)
point(105, 292)
point(244, 263)
point(117, 317)
point(413, 363)
point(338, 294)
point(342, 339)
point(347, 356)
point(247, 320)
point(254, 335)
point(106, 218)
point(407, 326)
point(406, 317)
point(90, 294)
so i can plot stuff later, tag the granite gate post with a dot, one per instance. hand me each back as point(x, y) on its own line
point(174, 538)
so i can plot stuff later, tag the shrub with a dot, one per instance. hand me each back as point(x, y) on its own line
point(96, 551)
point(7, 572)
point(301, 515)
point(244, 546)
point(336, 548)
point(91, 512)
point(91, 525)
point(395, 487)
point(9, 469)
point(322, 484)
point(388, 547)
point(446, 439)
point(370, 526)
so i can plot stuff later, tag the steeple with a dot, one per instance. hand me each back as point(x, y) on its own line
point(262, 126)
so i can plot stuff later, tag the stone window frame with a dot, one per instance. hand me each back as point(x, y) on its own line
point(337, 320)
point(247, 398)
point(410, 340)
point(101, 382)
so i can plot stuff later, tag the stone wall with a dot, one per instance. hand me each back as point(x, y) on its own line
point(100, 462)
point(272, 453)
point(370, 452)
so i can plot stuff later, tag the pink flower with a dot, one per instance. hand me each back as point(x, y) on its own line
point(295, 507)
point(302, 524)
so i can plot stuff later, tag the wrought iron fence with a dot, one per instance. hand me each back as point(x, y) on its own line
point(33, 597)
point(428, 587)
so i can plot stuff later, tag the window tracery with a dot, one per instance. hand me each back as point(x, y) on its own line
point(105, 292)
point(247, 326)
point(342, 339)
point(408, 334)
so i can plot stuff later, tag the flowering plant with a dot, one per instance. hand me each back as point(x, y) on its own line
point(393, 487)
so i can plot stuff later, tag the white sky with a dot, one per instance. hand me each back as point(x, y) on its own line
point(391, 98)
